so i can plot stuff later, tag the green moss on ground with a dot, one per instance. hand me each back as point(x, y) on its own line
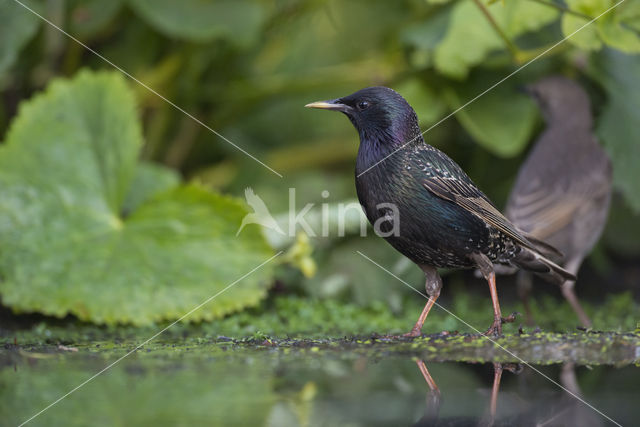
point(540, 348)
point(298, 317)
point(291, 324)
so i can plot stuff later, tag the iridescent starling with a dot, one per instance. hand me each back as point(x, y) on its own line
point(563, 189)
point(441, 218)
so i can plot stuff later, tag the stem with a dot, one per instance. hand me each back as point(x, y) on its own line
point(513, 49)
point(54, 40)
point(564, 9)
point(180, 148)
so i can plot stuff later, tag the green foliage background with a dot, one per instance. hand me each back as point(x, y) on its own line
point(246, 68)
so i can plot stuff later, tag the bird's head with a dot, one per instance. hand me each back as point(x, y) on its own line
point(561, 100)
point(381, 115)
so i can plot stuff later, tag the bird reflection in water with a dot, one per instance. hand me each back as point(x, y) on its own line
point(566, 410)
point(434, 397)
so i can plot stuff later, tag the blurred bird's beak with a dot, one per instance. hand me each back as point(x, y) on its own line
point(333, 104)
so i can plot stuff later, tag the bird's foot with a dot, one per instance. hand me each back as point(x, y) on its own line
point(496, 327)
point(495, 330)
point(413, 333)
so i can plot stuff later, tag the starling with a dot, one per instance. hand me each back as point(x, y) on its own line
point(438, 216)
point(563, 189)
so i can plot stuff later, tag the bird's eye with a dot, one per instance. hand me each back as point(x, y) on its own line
point(363, 105)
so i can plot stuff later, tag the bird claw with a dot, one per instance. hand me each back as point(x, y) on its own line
point(495, 329)
point(413, 333)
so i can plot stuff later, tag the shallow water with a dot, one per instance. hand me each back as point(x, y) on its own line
point(226, 384)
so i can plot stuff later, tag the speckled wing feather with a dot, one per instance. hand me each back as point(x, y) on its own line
point(534, 253)
point(474, 201)
point(447, 180)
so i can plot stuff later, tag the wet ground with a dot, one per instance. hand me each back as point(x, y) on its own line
point(299, 362)
point(364, 381)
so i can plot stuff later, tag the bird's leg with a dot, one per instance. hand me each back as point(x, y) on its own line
point(570, 295)
point(433, 284)
point(417, 328)
point(568, 378)
point(433, 396)
point(573, 265)
point(496, 327)
point(486, 268)
point(427, 377)
point(497, 375)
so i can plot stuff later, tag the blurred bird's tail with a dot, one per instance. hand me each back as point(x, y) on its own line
point(539, 264)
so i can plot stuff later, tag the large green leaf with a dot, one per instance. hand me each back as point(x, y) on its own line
point(618, 124)
point(500, 120)
point(617, 28)
point(575, 27)
point(204, 20)
point(615, 33)
point(470, 37)
point(149, 180)
point(83, 231)
point(17, 26)
point(630, 15)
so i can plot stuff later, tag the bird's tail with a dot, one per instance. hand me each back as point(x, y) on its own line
point(539, 264)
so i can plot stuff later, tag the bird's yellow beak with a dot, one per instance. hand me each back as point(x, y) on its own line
point(328, 105)
point(321, 104)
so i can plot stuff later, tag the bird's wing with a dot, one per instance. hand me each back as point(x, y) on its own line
point(542, 211)
point(473, 200)
point(447, 180)
point(564, 174)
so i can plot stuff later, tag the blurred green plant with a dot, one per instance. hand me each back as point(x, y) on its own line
point(617, 127)
point(197, 395)
point(262, 63)
point(85, 229)
point(617, 29)
point(475, 31)
point(201, 21)
point(16, 29)
point(246, 68)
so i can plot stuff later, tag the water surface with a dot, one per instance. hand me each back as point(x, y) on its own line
point(225, 383)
